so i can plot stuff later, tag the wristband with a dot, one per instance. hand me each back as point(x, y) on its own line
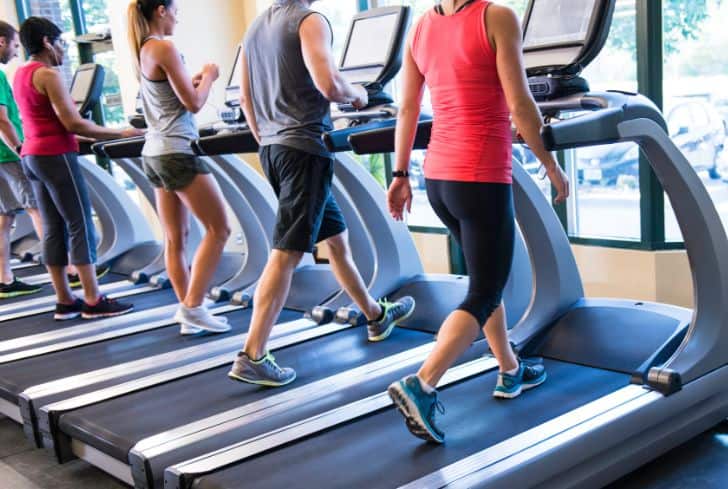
point(400, 173)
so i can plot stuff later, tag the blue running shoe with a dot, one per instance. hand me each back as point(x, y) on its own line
point(529, 375)
point(418, 408)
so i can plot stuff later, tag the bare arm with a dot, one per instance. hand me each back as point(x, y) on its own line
point(192, 94)
point(246, 101)
point(49, 81)
point(399, 196)
point(413, 86)
point(7, 131)
point(503, 26)
point(316, 48)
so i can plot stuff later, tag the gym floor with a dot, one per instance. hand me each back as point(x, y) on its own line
point(699, 463)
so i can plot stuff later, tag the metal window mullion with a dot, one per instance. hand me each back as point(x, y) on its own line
point(23, 10)
point(649, 79)
point(363, 4)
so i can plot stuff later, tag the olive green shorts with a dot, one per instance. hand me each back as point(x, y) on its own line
point(174, 171)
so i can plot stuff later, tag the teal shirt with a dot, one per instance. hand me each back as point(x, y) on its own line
point(6, 98)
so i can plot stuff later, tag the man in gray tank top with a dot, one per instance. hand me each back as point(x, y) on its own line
point(289, 79)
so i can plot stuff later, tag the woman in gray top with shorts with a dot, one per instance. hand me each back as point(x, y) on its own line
point(182, 181)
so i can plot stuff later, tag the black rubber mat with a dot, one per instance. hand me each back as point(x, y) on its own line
point(147, 413)
point(378, 451)
point(44, 323)
point(17, 376)
point(30, 271)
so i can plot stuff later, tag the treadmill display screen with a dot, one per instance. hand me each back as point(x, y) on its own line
point(558, 22)
point(370, 41)
point(236, 74)
point(82, 83)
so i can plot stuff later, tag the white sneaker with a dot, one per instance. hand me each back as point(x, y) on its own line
point(198, 319)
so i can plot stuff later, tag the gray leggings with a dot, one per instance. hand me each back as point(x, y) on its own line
point(64, 206)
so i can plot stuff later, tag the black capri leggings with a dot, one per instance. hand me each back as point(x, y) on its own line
point(480, 217)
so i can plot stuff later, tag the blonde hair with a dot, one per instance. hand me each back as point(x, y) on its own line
point(138, 14)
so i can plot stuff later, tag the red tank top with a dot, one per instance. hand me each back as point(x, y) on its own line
point(471, 129)
point(45, 135)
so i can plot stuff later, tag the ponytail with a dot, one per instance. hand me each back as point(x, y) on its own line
point(139, 14)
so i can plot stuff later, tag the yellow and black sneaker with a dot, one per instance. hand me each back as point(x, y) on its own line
point(17, 288)
point(75, 281)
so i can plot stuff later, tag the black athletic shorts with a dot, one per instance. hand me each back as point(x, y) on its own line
point(307, 210)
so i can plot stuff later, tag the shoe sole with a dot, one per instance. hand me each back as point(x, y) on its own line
point(523, 387)
point(415, 424)
point(66, 317)
point(85, 315)
point(265, 383)
point(190, 330)
point(391, 327)
point(10, 295)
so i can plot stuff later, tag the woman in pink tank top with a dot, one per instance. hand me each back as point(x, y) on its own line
point(469, 54)
point(50, 160)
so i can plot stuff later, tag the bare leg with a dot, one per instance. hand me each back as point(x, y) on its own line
point(496, 332)
point(456, 335)
point(87, 274)
point(60, 284)
point(348, 276)
point(269, 298)
point(175, 222)
point(203, 198)
point(6, 224)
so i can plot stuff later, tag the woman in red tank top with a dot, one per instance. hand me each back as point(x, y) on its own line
point(50, 160)
point(469, 54)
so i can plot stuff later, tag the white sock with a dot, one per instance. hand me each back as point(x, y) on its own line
point(426, 387)
point(512, 372)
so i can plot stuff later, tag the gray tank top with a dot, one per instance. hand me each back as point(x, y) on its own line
point(288, 107)
point(170, 126)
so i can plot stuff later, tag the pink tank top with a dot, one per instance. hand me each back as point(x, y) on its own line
point(45, 135)
point(471, 130)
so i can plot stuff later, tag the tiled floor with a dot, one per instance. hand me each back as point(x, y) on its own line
point(701, 463)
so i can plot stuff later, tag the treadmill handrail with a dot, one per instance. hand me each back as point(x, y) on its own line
point(631, 117)
point(120, 148)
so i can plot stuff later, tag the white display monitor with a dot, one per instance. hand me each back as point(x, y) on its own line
point(558, 22)
point(370, 41)
point(82, 84)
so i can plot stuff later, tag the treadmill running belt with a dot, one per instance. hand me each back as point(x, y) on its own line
point(47, 289)
point(146, 413)
point(15, 377)
point(30, 271)
point(378, 451)
point(43, 323)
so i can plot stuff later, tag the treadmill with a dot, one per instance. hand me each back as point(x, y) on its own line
point(210, 411)
point(628, 380)
point(75, 356)
point(126, 239)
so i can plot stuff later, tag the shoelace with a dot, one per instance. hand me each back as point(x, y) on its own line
point(436, 406)
point(272, 360)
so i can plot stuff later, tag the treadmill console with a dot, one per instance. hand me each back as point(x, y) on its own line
point(86, 88)
point(561, 37)
point(372, 53)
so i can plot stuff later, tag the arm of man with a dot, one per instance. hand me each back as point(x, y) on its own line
point(8, 134)
point(246, 100)
point(504, 30)
point(316, 38)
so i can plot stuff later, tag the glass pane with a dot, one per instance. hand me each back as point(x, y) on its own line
point(695, 99)
point(605, 179)
point(97, 21)
point(339, 13)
